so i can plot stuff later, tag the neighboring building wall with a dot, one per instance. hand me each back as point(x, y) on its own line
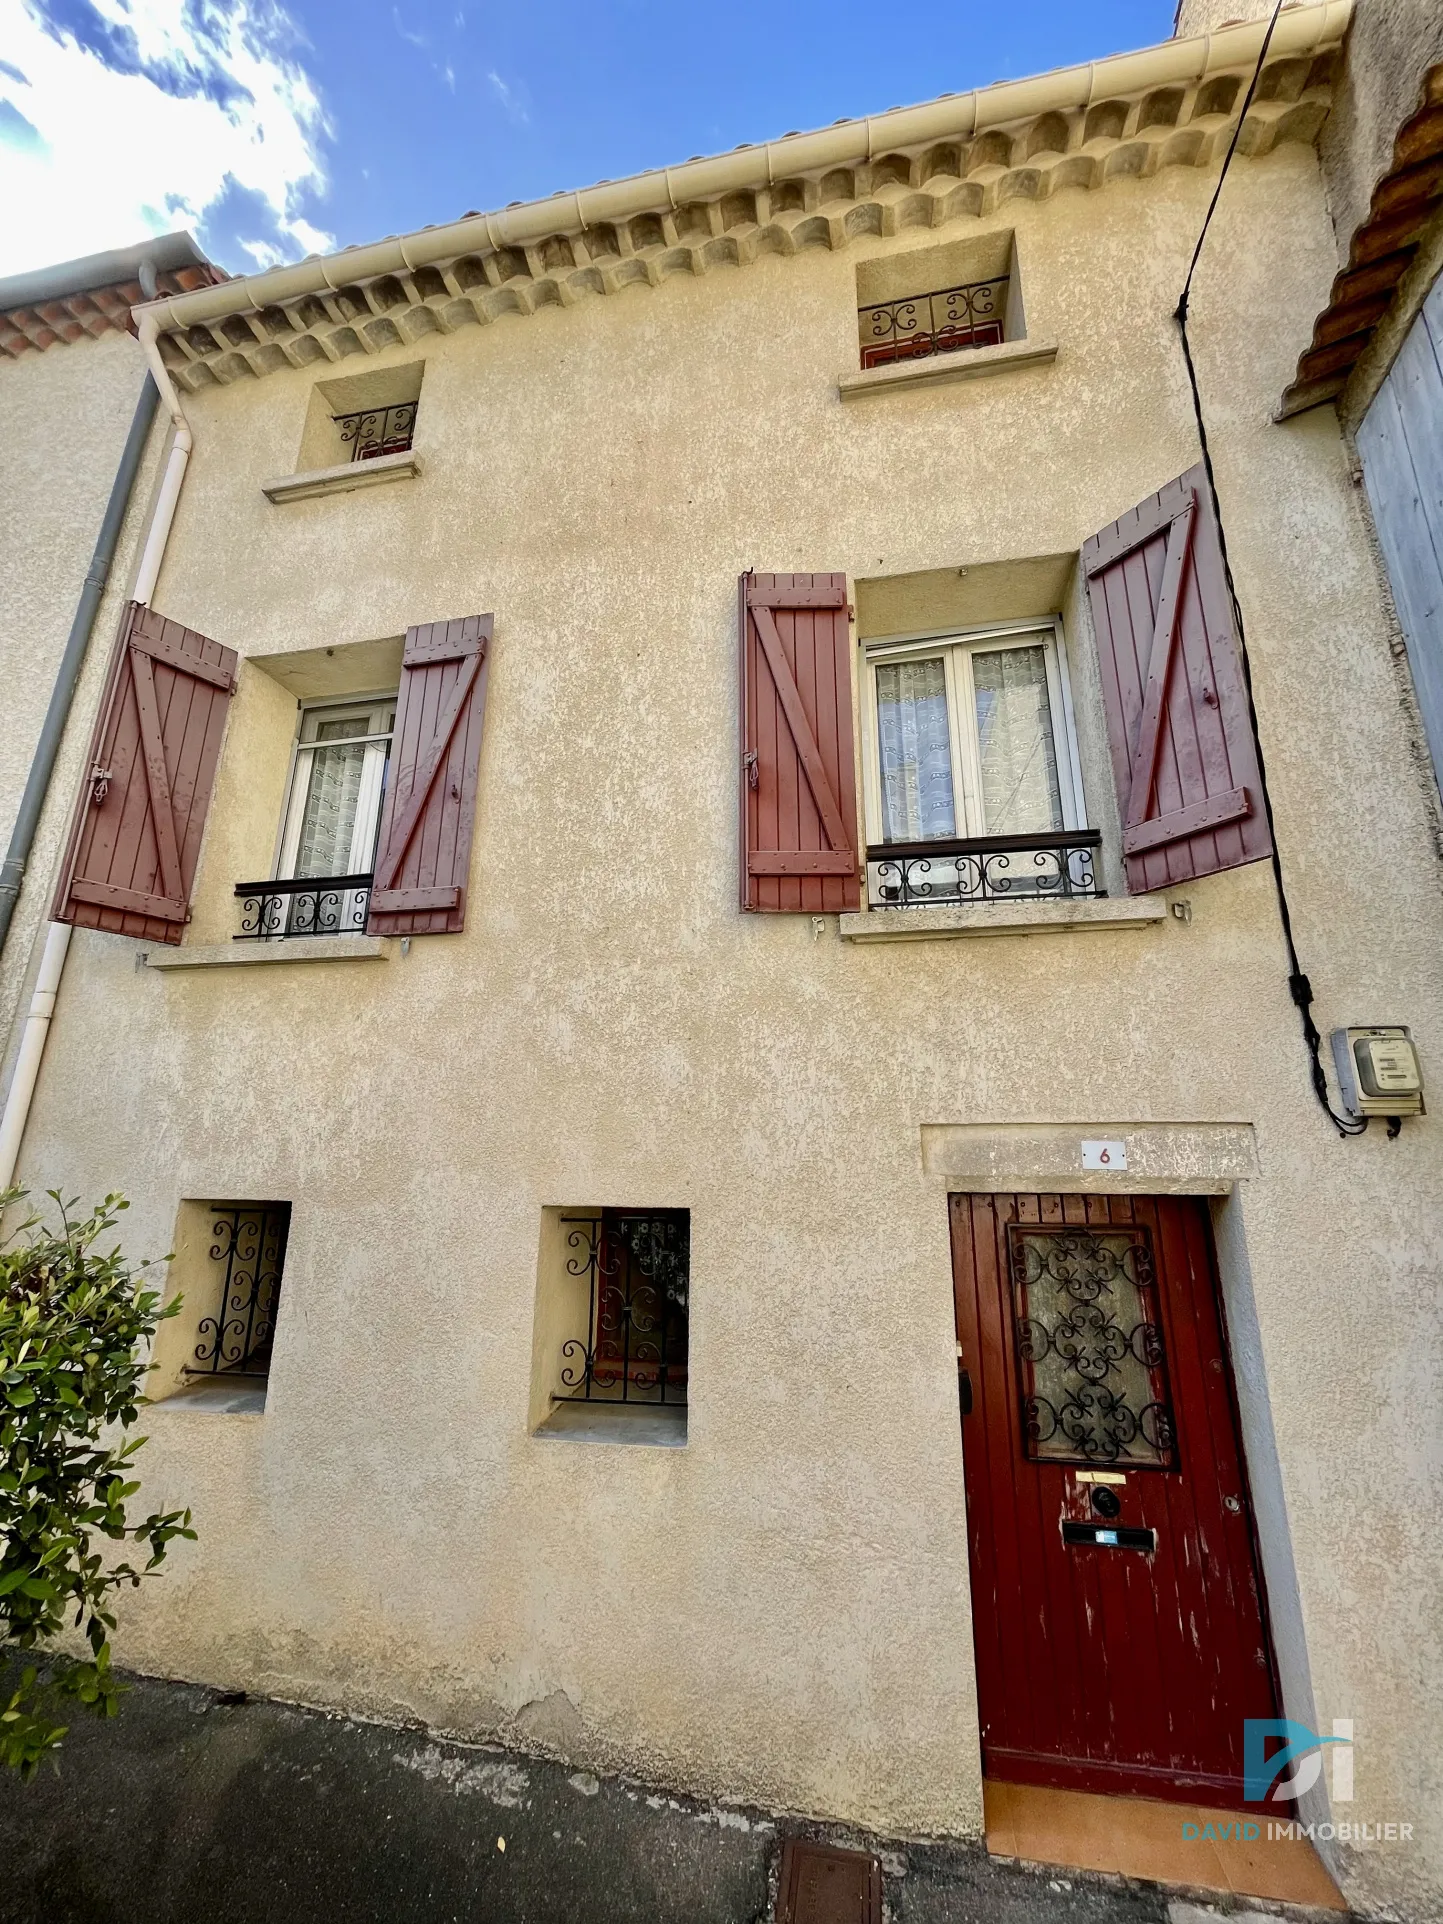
point(1391, 45)
point(778, 1611)
point(1400, 443)
point(68, 411)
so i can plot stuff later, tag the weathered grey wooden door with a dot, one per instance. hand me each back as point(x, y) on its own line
point(1401, 445)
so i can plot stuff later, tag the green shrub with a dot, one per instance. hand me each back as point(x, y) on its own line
point(74, 1329)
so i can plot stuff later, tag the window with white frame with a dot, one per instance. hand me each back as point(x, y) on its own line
point(972, 787)
point(336, 789)
point(332, 817)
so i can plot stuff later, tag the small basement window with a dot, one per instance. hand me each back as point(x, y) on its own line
point(227, 1269)
point(611, 1342)
point(939, 300)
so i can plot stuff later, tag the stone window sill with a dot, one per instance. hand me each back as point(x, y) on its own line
point(616, 1423)
point(215, 1397)
point(968, 364)
point(341, 480)
point(293, 948)
point(1002, 918)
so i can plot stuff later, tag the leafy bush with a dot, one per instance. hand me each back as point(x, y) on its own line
point(74, 1327)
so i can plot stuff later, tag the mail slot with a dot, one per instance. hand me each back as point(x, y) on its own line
point(1115, 1536)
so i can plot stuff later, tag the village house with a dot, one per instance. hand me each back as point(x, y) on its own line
point(691, 879)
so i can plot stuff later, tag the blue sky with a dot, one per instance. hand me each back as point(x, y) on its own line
point(274, 130)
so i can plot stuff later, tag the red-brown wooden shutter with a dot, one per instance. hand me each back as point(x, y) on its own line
point(799, 780)
point(1183, 753)
point(136, 838)
point(423, 854)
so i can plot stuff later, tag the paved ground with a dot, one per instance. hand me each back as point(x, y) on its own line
point(192, 1810)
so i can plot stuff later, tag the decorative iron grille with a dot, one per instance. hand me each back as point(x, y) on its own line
point(249, 1248)
point(1090, 1346)
point(378, 430)
point(309, 905)
point(983, 868)
point(637, 1263)
point(939, 323)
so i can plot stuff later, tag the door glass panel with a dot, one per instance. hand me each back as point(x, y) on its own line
point(916, 753)
point(1015, 743)
point(1089, 1346)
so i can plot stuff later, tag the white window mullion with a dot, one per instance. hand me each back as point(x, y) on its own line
point(295, 810)
point(871, 757)
point(1064, 722)
point(964, 736)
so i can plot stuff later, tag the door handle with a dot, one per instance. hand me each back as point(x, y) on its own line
point(964, 1392)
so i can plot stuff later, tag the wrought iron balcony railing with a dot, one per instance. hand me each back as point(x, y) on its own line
point(983, 868)
point(378, 430)
point(307, 905)
point(939, 323)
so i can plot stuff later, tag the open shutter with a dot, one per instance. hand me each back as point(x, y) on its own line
point(1183, 753)
point(799, 782)
point(423, 854)
point(136, 837)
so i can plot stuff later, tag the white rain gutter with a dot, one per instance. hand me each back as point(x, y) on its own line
point(57, 937)
point(1177, 63)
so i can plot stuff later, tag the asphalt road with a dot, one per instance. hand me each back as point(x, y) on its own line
point(188, 1809)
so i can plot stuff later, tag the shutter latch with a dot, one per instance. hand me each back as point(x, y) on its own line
point(749, 763)
point(100, 779)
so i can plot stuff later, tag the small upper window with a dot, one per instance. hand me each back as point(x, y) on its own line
point(360, 417)
point(374, 431)
point(939, 300)
point(939, 322)
point(972, 790)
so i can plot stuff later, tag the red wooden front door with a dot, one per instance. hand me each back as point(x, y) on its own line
point(1119, 1616)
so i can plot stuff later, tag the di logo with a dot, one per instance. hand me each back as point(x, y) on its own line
point(1283, 1759)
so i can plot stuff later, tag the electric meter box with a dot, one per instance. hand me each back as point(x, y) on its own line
point(1378, 1071)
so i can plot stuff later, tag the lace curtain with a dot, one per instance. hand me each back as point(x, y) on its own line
point(1020, 792)
point(916, 756)
point(328, 823)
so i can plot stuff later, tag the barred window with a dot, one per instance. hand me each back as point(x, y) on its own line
point(613, 1324)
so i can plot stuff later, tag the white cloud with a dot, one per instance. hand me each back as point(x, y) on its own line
point(512, 99)
point(147, 115)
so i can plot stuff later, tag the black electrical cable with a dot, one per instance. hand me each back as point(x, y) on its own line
point(1299, 987)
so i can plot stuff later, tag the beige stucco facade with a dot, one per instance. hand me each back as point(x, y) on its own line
point(778, 1611)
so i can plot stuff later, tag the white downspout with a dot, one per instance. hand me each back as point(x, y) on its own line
point(57, 936)
point(32, 1047)
point(180, 447)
